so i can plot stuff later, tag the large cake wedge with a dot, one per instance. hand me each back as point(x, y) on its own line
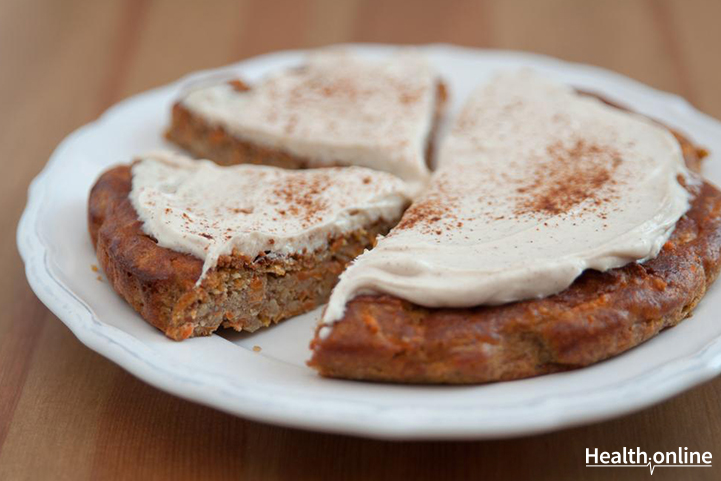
point(557, 232)
point(192, 245)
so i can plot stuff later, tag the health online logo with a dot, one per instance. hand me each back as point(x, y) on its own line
point(628, 458)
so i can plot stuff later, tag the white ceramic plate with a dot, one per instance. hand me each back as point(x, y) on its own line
point(274, 385)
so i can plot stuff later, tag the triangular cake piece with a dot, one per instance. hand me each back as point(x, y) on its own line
point(337, 109)
point(558, 231)
point(190, 244)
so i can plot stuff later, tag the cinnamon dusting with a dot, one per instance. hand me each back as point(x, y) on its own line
point(581, 173)
point(302, 195)
point(431, 215)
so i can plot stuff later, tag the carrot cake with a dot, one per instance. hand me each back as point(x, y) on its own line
point(192, 245)
point(336, 109)
point(557, 232)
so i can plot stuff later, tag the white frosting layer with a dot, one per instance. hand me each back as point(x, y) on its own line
point(200, 208)
point(337, 109)
point(536, 184)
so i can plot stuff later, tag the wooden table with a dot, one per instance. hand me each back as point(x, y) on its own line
point(67, 413)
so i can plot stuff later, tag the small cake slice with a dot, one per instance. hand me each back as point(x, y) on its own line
point(558, 231)
point(337, 109)
point(190, 244)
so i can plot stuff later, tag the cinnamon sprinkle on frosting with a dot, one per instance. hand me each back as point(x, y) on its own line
point(569, 175)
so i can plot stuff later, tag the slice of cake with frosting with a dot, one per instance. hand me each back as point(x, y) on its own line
point(557, 232)
point(192, 245)
point(337, 109)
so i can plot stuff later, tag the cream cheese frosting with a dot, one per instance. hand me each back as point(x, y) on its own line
point(536, 184)
point(200, 208)
point(337, 109)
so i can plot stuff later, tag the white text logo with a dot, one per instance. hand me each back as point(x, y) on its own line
point(682, 458)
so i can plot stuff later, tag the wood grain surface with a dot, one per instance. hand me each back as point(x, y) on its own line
point(68, 413)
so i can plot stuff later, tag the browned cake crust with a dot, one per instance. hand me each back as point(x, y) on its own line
point(384, 338)
point(208, 141)
point(242, 293)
